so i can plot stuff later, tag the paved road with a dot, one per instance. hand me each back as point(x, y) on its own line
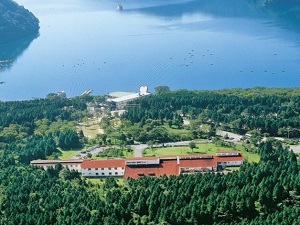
point(232, 136)
point(138, 149)
point(93, 150)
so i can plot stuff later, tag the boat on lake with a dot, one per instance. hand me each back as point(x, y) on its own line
point(119, 7)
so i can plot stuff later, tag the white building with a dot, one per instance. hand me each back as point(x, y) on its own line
point(229, 158)
point(71, 164)
point(103, 168)
point(122, 101)
point(142, 161)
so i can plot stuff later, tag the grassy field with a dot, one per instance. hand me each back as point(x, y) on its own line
point(68, 154)
point(202, 148)
point(91, 131)
point(176, 131)
point(126, 155)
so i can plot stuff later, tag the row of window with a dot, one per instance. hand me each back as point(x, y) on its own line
point(103, 174)
point(109, 168)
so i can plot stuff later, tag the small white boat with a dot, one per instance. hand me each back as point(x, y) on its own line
point(119, 7)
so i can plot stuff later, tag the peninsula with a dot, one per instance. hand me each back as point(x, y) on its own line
point(16, 21)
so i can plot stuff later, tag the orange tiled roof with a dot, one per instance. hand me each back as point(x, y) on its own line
point(198, 163)
point(165, 167)
point(229, 158)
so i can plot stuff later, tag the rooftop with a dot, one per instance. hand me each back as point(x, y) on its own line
point(119, 94)
point(164, 168)
point(55, 161)
point(103, 163)
point(128, 97)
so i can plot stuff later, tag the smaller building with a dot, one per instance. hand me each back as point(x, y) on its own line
point(122, 101)
point(142, 161)
point(71, 164)
point(225, 153)
point(103, 168)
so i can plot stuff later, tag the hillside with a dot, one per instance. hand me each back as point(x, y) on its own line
point(16, 21)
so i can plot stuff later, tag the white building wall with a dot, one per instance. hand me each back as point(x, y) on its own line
point(103, 172)
point(75, 167)
point(142, 161)
point(231, 163)
point(234, 163)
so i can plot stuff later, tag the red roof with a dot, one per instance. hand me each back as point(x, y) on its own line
point(198, 163)
point(105, 163)
point(229, 158)
point(165, 167)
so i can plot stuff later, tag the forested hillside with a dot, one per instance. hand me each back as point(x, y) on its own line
point(16, 21)
point(271, 111)
point(267, 192)
point(35, 129)
point(264, 193)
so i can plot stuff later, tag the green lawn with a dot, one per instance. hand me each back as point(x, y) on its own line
point(125, 153)
point(176, 131)
point(202, 148)
point(68, 154)
point(91, 131)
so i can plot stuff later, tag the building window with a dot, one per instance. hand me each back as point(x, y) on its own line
point(97, 174)
point(89, 168)
point(109, 173)
point(116, 168)
point(122, 168)
point(102, 173)
point(116, 173)
point(109, 168)
point(96, 169)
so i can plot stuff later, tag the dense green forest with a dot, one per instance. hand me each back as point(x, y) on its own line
point(269, 111)
point(36, 129)
point(260, 193)
point(16, 21)
point(267, 192)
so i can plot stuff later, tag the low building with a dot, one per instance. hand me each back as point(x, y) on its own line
point(122, 101)
point(183, 164)
point(71, 164)
point(103, 168)
point(148, 166)
point(226, 153)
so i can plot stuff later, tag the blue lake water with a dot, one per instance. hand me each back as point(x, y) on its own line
point(208, 44)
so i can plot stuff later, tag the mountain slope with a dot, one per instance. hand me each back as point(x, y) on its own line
point(16, 21)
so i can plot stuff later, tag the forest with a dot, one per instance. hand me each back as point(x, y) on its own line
point(267, 192)
point(16, 21)
point(272, 112)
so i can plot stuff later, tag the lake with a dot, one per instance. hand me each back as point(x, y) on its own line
point(88, 44)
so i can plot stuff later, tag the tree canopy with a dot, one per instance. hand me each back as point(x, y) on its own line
point(16, 21)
